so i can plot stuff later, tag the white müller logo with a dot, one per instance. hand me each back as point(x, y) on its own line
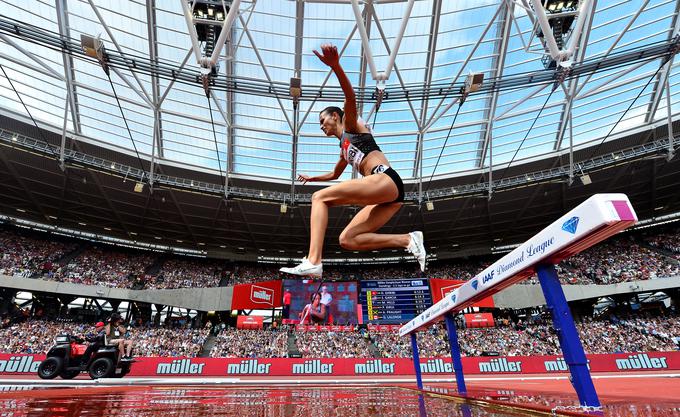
point(641, 361)
point(558, 365)
point(250, 366)
point(500, 365)
point(180, 366)
point(375, 366)
point(19, 364)
point(261, 295)
point(314, 366)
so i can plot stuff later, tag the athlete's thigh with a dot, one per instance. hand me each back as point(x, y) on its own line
point(371, 218)
point(373, 189)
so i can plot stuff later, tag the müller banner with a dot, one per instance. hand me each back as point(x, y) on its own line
point(621, 362)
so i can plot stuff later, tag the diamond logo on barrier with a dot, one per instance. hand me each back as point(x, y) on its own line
point(474, 284)
point(570, 225)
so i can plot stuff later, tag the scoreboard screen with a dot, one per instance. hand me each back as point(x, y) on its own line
point(394, 301)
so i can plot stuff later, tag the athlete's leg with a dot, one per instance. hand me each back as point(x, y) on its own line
point(370, 190)
point(359, 233)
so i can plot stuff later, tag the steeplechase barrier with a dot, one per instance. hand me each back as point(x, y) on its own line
point(591, 222)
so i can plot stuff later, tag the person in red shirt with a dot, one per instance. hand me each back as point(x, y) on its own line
point(286, 303)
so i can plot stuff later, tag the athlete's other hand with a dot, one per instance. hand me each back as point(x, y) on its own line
point(304, 178)
point(329, 55)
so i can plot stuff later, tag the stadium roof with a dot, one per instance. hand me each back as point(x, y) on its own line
point(617, 96)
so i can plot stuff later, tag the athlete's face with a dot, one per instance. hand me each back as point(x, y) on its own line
point(329, 123)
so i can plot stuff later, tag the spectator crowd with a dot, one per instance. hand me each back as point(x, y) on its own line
point(614, 334)
point(232, 343)
point(625, 257)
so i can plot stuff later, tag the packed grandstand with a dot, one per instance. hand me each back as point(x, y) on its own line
point(645, 254)
point(632, 256)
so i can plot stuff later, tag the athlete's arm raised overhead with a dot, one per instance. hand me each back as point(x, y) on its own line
point(329, 56)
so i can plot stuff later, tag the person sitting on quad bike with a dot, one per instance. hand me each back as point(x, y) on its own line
point(115, 334)
point(95, 339)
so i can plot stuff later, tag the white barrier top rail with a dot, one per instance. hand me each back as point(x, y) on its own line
point(594, 220)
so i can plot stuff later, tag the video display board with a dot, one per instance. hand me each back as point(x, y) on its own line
point(339, 297)
point(394, 300)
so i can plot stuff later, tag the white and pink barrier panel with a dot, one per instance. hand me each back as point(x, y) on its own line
point(594, 220)
point(284, 367)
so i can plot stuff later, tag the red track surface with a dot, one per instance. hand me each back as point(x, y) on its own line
point(643, 394)
point(635, 395)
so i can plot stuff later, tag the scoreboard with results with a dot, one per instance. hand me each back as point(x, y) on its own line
point(394, 301)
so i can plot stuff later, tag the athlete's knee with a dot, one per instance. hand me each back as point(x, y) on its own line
point(319, 197)
point(348, 241)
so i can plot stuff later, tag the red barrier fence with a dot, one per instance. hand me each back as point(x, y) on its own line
point(224, 367)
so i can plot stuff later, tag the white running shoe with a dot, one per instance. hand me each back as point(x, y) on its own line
point(305, 269)
point(417, 248)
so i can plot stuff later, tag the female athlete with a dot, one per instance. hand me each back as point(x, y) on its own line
point(380, 191)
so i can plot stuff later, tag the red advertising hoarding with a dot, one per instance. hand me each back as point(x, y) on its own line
point(620, 362)
point(479, 320)
point(249, 322)
point(261, 295)
point(441, 287)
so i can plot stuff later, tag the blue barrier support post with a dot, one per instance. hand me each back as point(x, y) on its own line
point(455, 353)
point(416, 360)
point(572, 349)
point(422, 410)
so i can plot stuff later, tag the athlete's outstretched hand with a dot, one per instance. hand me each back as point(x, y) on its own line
point(329, 55)
point(304, 178)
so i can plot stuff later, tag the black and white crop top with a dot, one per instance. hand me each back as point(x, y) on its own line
point(355, 146)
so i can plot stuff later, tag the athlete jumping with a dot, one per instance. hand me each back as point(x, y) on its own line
point(380, 191)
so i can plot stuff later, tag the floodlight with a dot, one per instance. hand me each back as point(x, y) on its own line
point(206, 31)
point(295, 87)
point(94, 47)
point(585, 179)
point(473, 82)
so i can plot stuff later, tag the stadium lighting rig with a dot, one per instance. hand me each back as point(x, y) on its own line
point(209, 23)
point(94, 48)
point(554, 21)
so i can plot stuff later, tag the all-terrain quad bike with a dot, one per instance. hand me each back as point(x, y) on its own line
point(66, 359)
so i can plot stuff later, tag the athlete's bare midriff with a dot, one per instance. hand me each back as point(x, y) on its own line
point(371, 160)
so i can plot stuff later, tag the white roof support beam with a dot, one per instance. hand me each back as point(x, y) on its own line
point(573, 83)
point(429, 69)
point(669, 118)
point(363, 63)
point(209, 62)
point(229, 116)
point(264, 68)
point(33, 57)
point(396, 70)
point(507, 111)
point(172, 82)
point(550, 43)
point(500, 51)
point(661, 79)
point(365, 41)
point(299, 34)
point(157, 143)
point(141, 90)
point(436, 117)
point(69, 71)
point(613, 45)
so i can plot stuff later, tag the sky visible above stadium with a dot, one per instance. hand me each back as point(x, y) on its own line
point(493, 37)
